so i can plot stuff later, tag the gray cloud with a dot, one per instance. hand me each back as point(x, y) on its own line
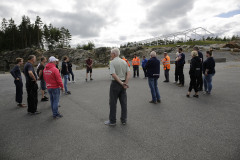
point(5, 11)
point(84, 24)
point(166, 11)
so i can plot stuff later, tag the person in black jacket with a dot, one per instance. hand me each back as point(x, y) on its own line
point(65, 73)
point(195, 73)
point(16, 73)
point(153, 72)
point(208, 72)
point(200, 78)
point(70, 71)
point(180, 64)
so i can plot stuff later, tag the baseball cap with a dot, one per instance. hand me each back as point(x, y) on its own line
point(52, 59)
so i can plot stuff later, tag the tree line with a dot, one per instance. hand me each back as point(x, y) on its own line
point(32, 35)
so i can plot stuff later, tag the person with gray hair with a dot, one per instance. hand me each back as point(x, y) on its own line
point(31, 85)
point(120, 73)
point(153, 73)
point(195, 73)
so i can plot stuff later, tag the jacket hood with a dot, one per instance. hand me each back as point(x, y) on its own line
point(50, 65)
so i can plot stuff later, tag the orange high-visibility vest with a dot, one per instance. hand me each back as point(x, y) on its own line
point(136, 61)
point(166, 62)
point(127, 62)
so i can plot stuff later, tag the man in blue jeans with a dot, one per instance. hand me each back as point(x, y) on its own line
point(153, 73)
point(54, 83)
point(65, 73)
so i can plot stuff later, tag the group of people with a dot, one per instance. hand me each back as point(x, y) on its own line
point(50, 77)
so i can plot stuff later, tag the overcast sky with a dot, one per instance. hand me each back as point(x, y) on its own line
point(113, 22)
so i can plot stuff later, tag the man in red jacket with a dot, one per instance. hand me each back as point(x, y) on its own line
point(54, 84)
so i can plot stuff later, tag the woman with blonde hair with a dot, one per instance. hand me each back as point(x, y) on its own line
point(194, 72)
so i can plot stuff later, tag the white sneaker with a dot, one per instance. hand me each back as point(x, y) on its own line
point(73, 81)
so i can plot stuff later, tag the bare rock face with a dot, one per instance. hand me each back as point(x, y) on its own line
point(8, 59)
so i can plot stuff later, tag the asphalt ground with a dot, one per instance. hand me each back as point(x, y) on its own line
point(180, 128)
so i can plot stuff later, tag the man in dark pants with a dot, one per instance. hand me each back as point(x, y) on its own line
point(16, 73)
point(31, 85)
point(200, 78)
point(135, 64)
point(70, 72)
point(120, 76)
point(176, 70)
point(144, 62)
point(180, 64)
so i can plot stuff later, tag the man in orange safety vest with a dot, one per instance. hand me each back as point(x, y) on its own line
point(135, 64)
point(166, 66)
point(126, 61)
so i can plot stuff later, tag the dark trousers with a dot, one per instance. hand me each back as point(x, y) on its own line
point(180, 73)
point(176, 74)
point(166, 73)
point(32, 96)
point(145, 72)
point(117, 91)
point(193, 84)
point(135, 69)
point(71, 72)
point(19, 90)
point(200, 81)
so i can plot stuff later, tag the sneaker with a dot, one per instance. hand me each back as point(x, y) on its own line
point(73, 81)
point(196, 96)
point(123, 123)
point(180, 85)
point(159, 101)
point(206, 93)
point(175, 83)
point(91, 79)
point(108, 123)
point(165, 81)
point(58, 116)
point(68, 92)
point(34, 113)
point(188, 96)
point(22, 105)
point(153, 102)
point(44, 99)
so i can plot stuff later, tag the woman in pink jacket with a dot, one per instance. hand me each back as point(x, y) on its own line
point(54, 84)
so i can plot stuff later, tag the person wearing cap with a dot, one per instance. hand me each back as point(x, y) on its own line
point(40, 77)
point(16, 73)
point(166, 66)
point(54, 84)
point(31, 85)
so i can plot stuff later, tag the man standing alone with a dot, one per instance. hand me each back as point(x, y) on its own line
point(120, 76)
point(135, 64)
point(166, 66)
point(89, 64)
point(153, 72)
point(31, 85)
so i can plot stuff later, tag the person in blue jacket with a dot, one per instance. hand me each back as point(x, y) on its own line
point(153, 73)
point(144, 62)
